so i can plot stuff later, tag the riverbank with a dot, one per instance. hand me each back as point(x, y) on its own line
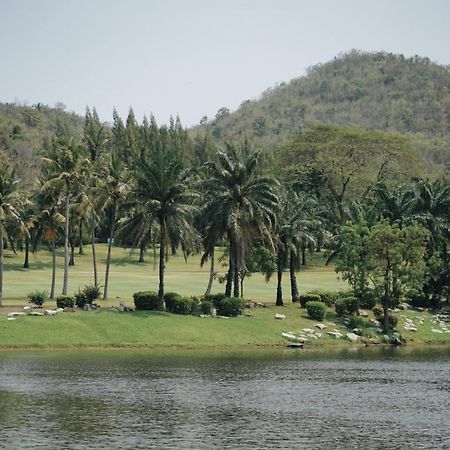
point(256, 328)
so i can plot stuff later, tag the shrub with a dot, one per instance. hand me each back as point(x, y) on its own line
point(145, 300)
point(226, 306)
point(327, 297)
point(341, 307)
point(420, 301)
point(392, 321)
point(304, 299)
point(38, 297)
point(352, 304)
point(91, 293)
point(177, 304)
point(343, 294)
point(368, 300)
point(316, 310)
point(80, 299)
point(355, 322)
point(64, 301)
point(205, 306)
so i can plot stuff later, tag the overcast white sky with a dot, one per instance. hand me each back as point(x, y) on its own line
point(193, 57)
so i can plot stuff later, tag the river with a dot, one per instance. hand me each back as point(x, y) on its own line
point(383, 398)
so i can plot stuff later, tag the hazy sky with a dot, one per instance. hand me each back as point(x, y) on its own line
point(193, 57)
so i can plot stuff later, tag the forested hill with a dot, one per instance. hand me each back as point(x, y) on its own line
point(373, 91)
point(23, 130)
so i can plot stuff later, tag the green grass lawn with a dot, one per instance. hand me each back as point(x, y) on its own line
point(128, 276)
point(109, 328)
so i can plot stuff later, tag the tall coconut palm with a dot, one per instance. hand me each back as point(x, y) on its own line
point(8, 199)
point(113, 190)
point(48, 223)
point(64, 167)
point(240, 205)
point(163, 190)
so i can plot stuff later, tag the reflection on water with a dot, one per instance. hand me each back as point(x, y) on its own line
point(383, 398)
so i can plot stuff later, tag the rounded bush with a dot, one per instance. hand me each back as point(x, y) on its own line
point(377, 312)
point(91, 293)
point(38, 297)
point(341, 307)
point(316, 310)
point(327, 297)
point(64, 301)
point(80, 299)
point(392, 321)
point(205, 307)
point(304, 299)
point(145, 300)
point(352, 304)
point(368, 300)
point(177, 304)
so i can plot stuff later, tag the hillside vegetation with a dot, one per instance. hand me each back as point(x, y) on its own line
point(23, 130)
point(372, 91)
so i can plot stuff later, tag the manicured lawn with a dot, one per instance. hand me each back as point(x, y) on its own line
point(128, 276)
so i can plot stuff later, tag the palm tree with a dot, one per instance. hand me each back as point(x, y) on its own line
point(240, 206)
point(8, 199)
point(163, 190)
point(48, 224)
point(64, 168)
point(114, 188)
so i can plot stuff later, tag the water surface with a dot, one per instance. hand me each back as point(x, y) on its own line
point(381, 398)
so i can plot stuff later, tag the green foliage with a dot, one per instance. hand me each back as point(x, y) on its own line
point(145, 300)
point(368, 299)
point(340, 306)
point(352, 304)
point(205, 306)
point(316, 310)
point(226, 306)
point(65, 301)
point(355, 322)
point(177, 304)
point(377, 312)
point(91, 293)
point(327, 297)
point(304, 299)
point(38, 297)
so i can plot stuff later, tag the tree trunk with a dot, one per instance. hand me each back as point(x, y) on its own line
point(293, 277)
point(162, 264)
point(72, 252)
point(94, 257)
point(279, 301)
point(26, 263)
point(230, 273)
point(80, 238)
point(235, 272)
point(141, 253)
point(108, 256)
point(52, 287)
point(1, 264)
point(66, 246)
point(303, 256)
point(211, 274)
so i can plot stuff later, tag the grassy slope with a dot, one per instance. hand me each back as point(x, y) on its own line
point(111, 328)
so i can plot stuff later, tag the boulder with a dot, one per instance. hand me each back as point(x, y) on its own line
point(250, 304)
point(280, 316)
point(362, 313)
point(260, 305)
point(26, 308)
point(335, 334)
point(11, 318)
point(433, 330)
point(409, 328)
point(404, 306)
point(50, 312)
point(308, 330)
point(36, 314)
point(352, 337)
point(16, 314)
point(321, 326)
point(289, 336)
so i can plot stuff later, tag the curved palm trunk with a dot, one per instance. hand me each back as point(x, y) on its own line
point(1, 264)
point(72, 252)
point(162, 263)
point(108, 257)
point(26, 263)
point(293, 278)
point(66, 247)
point(279, 301)
point(94, 255)
point(211, 274)
point(52, 288)
point(230, 273)
point(80, 238)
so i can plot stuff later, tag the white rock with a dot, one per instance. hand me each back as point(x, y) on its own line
point(36, 313)
point(362, 313)
point(60, 309)
point(308, 330)
point(409, 328)
point(280, 316)
point(11, 318)
point(50, 312)
point(16, 314)
point(290, 336)
point(352, 337)
point(26, 308)
point(404, 306)
point(321, 326)
point(433, 330)
point(336, 334)
point(319, 335)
